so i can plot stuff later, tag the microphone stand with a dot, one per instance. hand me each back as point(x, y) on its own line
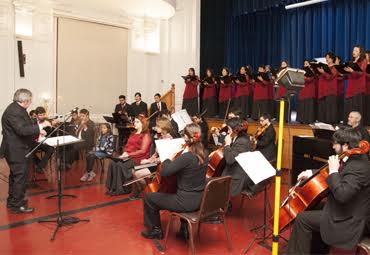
point(60, 220)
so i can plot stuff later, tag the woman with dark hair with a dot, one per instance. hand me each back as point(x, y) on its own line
point(327, 109)
point(367, 112)
point(263, 98)
point(356, 88)
point(242, 84)
point(236, 142)
point(306, 107)
point(190, 168)
point(209, 84)
point(225, 94)
point(190, 97)
point(281, 93)
point(136, 149)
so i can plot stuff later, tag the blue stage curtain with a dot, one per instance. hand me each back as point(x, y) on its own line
point(271, 33)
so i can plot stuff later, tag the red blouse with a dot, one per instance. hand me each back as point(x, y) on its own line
point(138, 147)
point(357, 81)
point(328, 84)
point(309, 90)
point(191, 90)
point(242, 89)
point(367, 84)
point(340, 85)
point(262, 90)
point(209, 90)
point(225, 92)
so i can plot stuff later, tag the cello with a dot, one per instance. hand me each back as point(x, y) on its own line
point(308, 193)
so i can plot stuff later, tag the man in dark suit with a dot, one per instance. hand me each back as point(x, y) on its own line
point(266, 142)
point(125, 111)
point(156, 108)
point(342, 221)
point(139, 107)
point(19, 133)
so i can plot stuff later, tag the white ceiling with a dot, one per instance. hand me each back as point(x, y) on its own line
point(163, 9)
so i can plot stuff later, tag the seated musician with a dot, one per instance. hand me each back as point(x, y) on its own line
point(342, 221)
point(236, 142)
point(354, 120)
point(86, 132)
point(125, 111)
point(139, 107)
point(47, 149)
point(103, 149)
point(163, 129)
point(136, 149)
point(265, 143)
point(71, 126)
point(219, 134)
point(190, 168)
point(201, 121)
point(175, 128)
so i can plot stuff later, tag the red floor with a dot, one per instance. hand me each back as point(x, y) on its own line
point(115, 223)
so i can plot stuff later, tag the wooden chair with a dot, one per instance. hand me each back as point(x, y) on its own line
point(215, 201)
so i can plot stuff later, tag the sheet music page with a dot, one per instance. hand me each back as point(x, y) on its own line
point(167, 148)
point(322, 125)
point(182, 118)
point(63, 140)
point(256, 166)
point(321, 60)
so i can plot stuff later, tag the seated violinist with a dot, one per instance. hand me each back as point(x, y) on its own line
point(47, 149)
point(265, 142)
point(342, 221)
point(219, 134)
point(190, 169)
point(236, 142)
point(136, 149)
point(163, 129)
point(201, 121)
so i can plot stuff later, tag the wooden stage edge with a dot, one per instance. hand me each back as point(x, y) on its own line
point(290, 130)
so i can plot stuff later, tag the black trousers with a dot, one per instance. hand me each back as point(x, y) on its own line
point(191, 105)
point(327, 109)
point(17, 183)
point(355, 103)
point(48, 150)
point(118, 174)
point(305, 237)
point(262, 106)
point(306, 110)
point(210, 104)
point(179, 202)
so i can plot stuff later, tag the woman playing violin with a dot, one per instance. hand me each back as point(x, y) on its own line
point(265, 142)
point(342, 221)
point(190, 168)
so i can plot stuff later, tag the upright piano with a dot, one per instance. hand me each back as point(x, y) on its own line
point(309, 153)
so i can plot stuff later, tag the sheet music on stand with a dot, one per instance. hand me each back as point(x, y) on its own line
point(182, 118)
point(167, 148)
point(63, 140)
point(256, 166)
point(322, 125)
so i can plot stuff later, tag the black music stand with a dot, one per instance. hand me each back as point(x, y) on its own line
point(60, 220)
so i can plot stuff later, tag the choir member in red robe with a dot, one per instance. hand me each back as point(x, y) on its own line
point(281, 93)
point(306, 107)
point(263, 100)
point(367, 115)
point(225, 94)
point(209, 106)
point(341, 77)
point(241, 100)
point(328, 91)
point(355, 94)
point(190, 97)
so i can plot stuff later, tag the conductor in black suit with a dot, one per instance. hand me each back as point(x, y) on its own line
point(342, 221)
point(139, 107)
point(19, 133)
point(156, 108)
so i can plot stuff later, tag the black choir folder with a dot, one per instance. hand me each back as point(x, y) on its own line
point(368, 68)
point(354, 66)
point(192, 78)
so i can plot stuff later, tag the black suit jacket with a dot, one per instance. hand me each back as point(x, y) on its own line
point(19, 133)
point(239, 178)
point(266, 144)
point(141, 108)
point(347, 211)
point(126, 108)
point(153, 109)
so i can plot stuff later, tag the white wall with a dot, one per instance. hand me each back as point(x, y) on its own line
point(147, 73)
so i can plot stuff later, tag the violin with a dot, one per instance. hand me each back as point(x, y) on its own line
point(307, 194)
point(257, 135)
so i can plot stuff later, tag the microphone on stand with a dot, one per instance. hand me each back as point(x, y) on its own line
point(73, 110)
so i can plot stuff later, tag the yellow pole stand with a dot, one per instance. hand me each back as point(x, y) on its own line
point(275, 237)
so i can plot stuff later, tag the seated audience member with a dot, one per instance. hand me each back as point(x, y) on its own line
point(139, 107)
point(163, 129)
point(103, 149)
point(136, 149)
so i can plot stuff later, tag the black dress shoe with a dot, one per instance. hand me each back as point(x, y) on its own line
point(155, 233)
point(22, 209)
